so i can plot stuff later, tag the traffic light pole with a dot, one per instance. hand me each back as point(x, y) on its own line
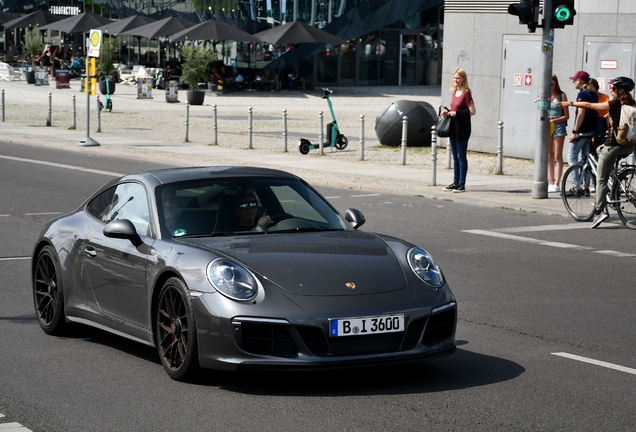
point(540, 184)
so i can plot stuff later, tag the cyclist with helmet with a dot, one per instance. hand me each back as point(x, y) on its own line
point(609, 152)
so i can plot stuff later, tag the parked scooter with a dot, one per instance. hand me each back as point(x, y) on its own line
point(109, 101)
point(335, 138)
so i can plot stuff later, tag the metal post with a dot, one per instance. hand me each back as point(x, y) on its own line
point(88, 141)
point(249, 128)
point(361, 137)
point(320, 136)
point(434, 155)
point(214, 125)
point(187, 121)
point(449, 152)
point(500, 148)
point(285, 130)
point(99, 115)
point(3, 105)
point(405, 128)
point(74, 114)
point(48, 121)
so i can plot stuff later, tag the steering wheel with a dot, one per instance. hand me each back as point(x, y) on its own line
point(279, 217)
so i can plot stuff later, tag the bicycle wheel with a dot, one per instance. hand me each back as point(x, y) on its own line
point(579, 201)
point(624, 195)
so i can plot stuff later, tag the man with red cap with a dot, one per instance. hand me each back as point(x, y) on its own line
point(583, 130)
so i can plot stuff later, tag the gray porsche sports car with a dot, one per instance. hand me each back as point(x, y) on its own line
point(236, 268)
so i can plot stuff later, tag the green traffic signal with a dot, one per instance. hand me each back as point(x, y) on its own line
point(562, 13)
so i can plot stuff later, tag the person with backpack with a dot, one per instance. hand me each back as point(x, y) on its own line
point(609, 152)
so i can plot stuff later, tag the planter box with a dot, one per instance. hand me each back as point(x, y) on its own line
point(196, 97)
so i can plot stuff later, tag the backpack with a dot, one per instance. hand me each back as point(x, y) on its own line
point(626, 130)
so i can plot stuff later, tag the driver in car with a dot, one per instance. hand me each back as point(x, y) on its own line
point(245, 208)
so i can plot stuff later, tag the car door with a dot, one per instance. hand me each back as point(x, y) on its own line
point(115, 268)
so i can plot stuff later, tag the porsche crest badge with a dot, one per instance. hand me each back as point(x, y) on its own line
point(350, 285)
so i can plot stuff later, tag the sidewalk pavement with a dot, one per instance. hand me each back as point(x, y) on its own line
point(497, 191)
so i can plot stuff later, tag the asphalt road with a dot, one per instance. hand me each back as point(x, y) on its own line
point(528, 286)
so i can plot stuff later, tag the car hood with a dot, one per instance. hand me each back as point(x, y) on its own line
point(317, 264)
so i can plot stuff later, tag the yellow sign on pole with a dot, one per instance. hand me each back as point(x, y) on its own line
point(92, 70)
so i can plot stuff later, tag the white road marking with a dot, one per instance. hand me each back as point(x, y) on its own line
point(526, 239)
point(362, 196)
point(70, 167)
point(615, 253)
point(13, 427)
point(596, 362)
point(544, 228)
point(332, 197)
point(42, 214)
point(15, 258)
point(4, 215)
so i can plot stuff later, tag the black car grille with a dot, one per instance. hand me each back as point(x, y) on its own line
point(280, 340)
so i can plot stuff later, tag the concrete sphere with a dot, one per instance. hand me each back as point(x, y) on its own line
point(421, 116)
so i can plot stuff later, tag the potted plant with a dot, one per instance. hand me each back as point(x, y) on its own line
point(195, 70)
point(106, 67)
point(34, 46)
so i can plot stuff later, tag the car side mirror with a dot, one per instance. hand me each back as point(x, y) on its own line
point(123, 229)
point(355, 218)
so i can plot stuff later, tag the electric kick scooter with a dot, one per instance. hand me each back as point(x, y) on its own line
point(109, 102)
point(336, 139)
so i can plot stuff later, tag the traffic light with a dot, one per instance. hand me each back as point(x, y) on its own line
point(563, 13)
point(528, 13)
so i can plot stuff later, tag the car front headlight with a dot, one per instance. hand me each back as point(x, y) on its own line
point(425, 267)
point(232, 280)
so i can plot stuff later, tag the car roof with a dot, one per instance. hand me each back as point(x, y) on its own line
point(172, 175)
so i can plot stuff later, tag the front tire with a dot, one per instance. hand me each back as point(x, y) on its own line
point(303, 146)
point(48, 293)
point(176, 331)
point(580, 202)
point(624, 196)
point(341, 142)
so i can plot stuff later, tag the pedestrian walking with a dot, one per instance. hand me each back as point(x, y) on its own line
point(558, 123)
point(461, 110)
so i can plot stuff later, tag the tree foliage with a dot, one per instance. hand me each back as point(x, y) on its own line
point(195, 64)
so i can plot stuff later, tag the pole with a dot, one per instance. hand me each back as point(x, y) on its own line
point(187, 121)
point(214, 125)
point(320, 137)
point(74, 114)
point(433, 155)
point(285, 130)
point(88, 141)
point(361, 137)
point(48, 121)
point(405, 129)
point(449, 152)
point(540, 185)
point(500, 148)
point(99, 115)
point(3, 105)
point(249, 128)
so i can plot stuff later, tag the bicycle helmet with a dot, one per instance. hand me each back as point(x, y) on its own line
point(625, 83)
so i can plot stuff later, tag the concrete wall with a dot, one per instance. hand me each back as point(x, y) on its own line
point(474, 42)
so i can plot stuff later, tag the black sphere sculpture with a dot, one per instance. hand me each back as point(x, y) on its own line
point(421, 116)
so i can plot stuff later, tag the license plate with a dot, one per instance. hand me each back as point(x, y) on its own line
point(366, 325)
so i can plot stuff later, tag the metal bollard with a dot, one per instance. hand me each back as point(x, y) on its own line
point(187, 121)
point(249, 128)
point(48, 121)
point(433, 155)
point(500, 149)
point(99, 115)
point(74, 114)
point(361, 137)
point(285, 130)
point(405, 128)
point(320, 136)
point(2, 105)
point(449, 152)
point(214, 125)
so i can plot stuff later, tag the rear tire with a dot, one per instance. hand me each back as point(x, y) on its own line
point(624, 193)
point(341, 142)
point(303, 146)
point(48, 293)
point(176, 330)
point(580, 205)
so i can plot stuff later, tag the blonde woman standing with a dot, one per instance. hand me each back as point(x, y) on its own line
point(461, 110)
point(558, 123)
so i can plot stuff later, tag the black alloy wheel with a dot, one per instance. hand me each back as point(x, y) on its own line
point(48, 297)
point(176, 331)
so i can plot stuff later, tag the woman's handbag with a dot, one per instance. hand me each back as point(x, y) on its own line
point(443, 124)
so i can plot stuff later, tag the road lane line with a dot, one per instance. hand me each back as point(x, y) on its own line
point(363, 196)
point(543, 228)
point(4, 215)
point(42, 214)
point(526, 239)
point(15, 258)
point(615, 253)
point(70, 167)
point(596, 362)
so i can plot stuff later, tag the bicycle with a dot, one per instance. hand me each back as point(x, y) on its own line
point(579, 201)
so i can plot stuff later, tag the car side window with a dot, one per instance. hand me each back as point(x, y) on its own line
point(124, 201)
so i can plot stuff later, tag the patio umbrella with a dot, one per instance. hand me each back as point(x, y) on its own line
point(297, 32)
point(160, 28)
point(132, 22)
point(6, 17)
point(214, 30)
point(78, 24)
point(38, 18)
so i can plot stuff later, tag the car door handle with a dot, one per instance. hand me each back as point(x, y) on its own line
point(90, 252)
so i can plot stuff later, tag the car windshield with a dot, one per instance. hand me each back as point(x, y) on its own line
point(243, 206)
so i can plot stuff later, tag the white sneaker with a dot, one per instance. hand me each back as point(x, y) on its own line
point(557, 188)
point(552, 188)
